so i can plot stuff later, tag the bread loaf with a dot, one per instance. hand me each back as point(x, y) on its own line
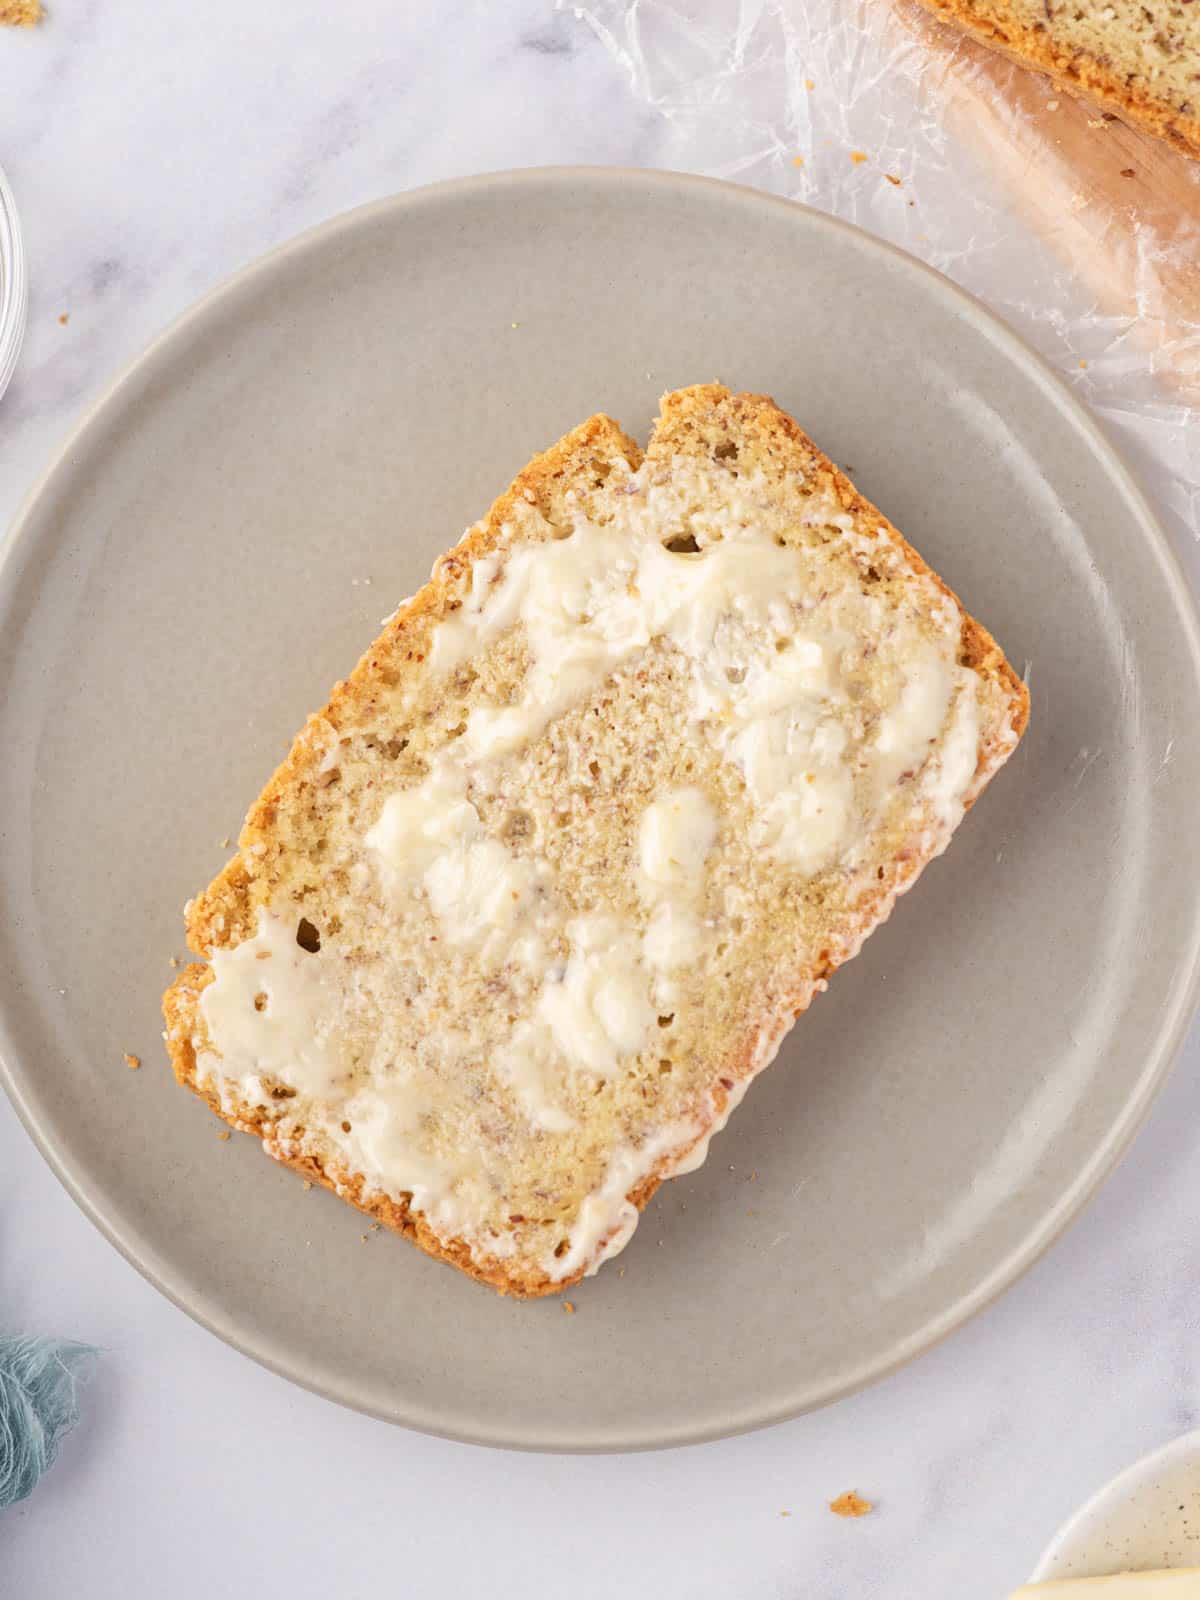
point(1138, 60)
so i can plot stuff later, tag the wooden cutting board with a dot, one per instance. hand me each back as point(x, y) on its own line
point(1121, 208)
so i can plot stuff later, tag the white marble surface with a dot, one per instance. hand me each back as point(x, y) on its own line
point(153, 150)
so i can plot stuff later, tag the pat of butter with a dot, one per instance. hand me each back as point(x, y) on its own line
point(674, 838)
point(271, 1010)
point(1179, 1584)
point(478, 890)
point(601, 1010)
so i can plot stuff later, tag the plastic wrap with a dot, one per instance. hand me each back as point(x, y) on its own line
point(1081, 233)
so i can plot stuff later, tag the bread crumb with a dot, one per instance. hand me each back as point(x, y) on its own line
point(858, 157)
point(224, 1135)
point(376, 1226)
point(172, 961)
point(308, 1183)
point(809, 84)
point(1051, 105)
point(785, 1513)
point(797, 161)
point(20, 13)
point(516, 324)
point(892, 179)
point(1098, 123)
point(620, 1272)
point(1082, 366)
point(225, 842)
point(754, 1176)
point(569, 1307)
point(363, 1237)
point(850, 1504)
point(133, 1062)
point(63, 318)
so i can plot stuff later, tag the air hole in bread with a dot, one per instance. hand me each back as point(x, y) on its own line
point(345, 1127)
point(665, 1064)
point(395, 748)
point(308, 937)
point(260, 1000)
point(518, 826)
point(682, 544)
point(783, 644)
point(561, 1248)
point(665, 1022)
point(594, 768)
point(736, 674)
point(727, 451)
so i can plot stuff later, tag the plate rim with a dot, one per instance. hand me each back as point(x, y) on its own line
point(1161, 1048)
point(1121, 1484)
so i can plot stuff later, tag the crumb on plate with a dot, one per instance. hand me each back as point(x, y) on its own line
point(132, 1062)
point(224, 1136)
point(569, 1307)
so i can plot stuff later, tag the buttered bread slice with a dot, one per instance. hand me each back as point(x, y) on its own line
point(544, 885)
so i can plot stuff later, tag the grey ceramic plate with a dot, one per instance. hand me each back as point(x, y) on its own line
point(192, 575)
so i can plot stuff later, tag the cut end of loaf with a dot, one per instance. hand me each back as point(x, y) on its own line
point(541, 889)
point(1140, 61)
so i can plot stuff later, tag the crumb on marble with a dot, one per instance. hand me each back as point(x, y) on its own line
point(20, 13)
point(892, 179)
point(797, 161)
point(851, 1504)
point(132, 1062)
point(63, 318)
point(1083, 366)
point(858, 157)
point(809, 85)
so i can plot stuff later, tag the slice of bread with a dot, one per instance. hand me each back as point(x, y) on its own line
point(1137, 58)
point(542, 888)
